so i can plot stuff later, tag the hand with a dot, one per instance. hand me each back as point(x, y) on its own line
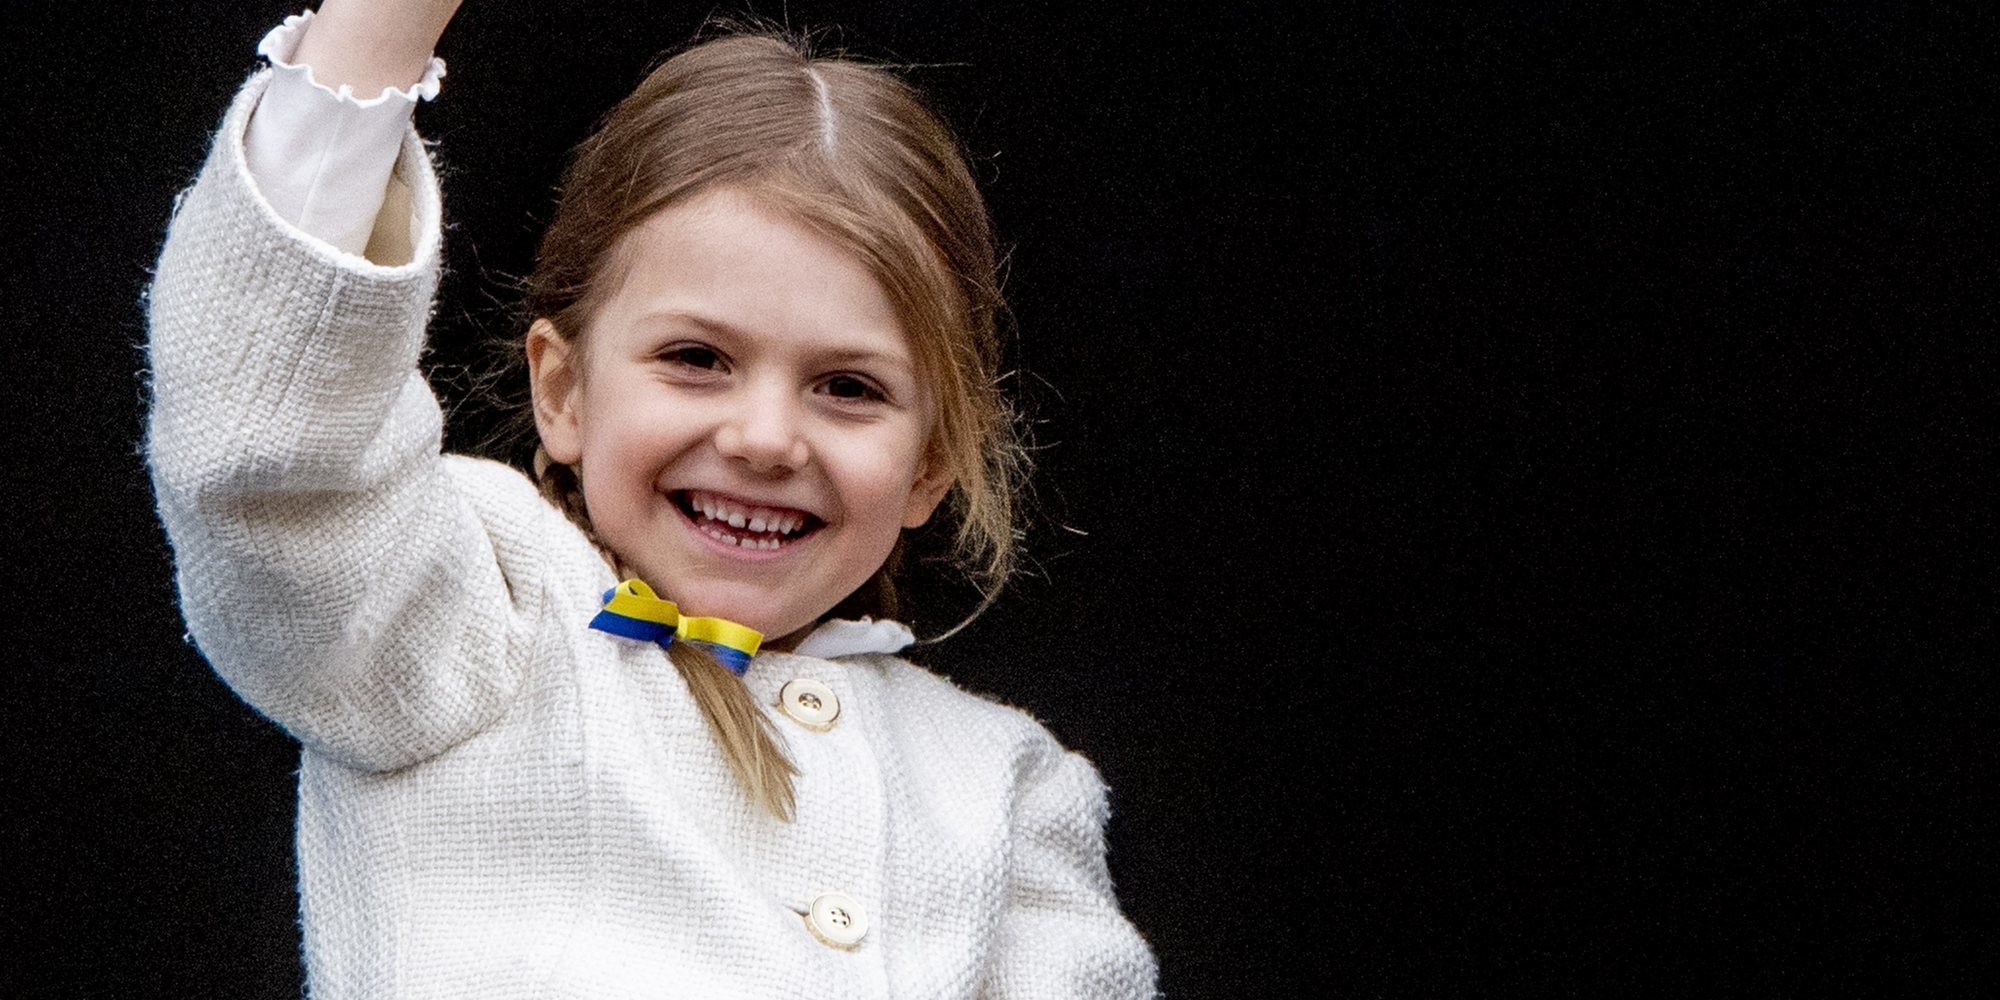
point(372, 45)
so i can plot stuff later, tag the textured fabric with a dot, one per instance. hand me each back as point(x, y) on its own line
point(497, 801)
point(322, 158)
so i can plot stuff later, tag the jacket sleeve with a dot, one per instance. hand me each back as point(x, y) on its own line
point(330, 565)
point(1062, 934)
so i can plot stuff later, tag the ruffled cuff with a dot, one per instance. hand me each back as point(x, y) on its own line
point(322, 157)
point(282, 42)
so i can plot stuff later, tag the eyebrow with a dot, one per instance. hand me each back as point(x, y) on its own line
point(837, 354)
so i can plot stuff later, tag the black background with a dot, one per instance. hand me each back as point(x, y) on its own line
point(1535, 532)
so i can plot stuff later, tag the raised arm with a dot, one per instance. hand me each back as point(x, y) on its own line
point(336, 570)
point(327, 130)
point(373, 45)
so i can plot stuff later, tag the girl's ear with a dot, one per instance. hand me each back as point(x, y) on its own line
point(933, 482)
point(552, 379)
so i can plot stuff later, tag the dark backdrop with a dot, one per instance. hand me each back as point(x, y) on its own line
point(1533, 535)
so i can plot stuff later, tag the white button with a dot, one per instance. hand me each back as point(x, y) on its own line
point(837, 920)
point(810, 703)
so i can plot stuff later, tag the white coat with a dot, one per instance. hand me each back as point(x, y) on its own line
point(496, 801)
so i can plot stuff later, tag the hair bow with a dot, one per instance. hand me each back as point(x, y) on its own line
point(633, 611)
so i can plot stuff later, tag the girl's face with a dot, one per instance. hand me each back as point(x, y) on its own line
point(747, 413)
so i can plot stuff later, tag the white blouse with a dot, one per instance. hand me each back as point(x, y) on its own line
point(321, 157)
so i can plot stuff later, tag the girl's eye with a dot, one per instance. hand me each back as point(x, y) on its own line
point(693, 356)
point(850, 387)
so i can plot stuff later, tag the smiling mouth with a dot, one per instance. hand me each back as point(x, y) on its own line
point(745, 526)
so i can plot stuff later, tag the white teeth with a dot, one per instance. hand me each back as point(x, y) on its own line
point(757, 519)
point(764, 544)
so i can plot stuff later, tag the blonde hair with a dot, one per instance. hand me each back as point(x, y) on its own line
point(850, 151)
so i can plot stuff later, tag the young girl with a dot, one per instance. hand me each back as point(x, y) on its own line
point(622, 725)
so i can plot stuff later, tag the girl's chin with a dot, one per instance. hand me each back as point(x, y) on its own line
point(750, 613)
point(769, 607)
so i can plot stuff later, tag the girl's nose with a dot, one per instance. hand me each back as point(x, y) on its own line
point(766, 433)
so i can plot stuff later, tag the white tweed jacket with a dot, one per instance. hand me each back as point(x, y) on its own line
point(496, 801)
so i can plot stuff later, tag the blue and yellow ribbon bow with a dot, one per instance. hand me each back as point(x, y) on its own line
point(633, 611)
